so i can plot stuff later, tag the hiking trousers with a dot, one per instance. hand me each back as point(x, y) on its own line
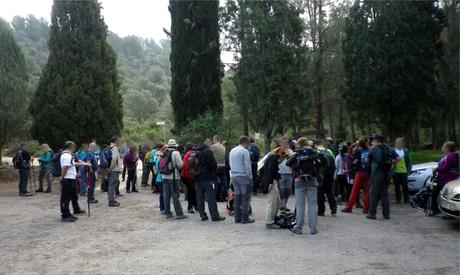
point(207, 188)
point(45, 173)
point(308, 192)
point(273, 204)
point(243, 188)
point(379, 190)
point(171, 190)
point(326, 190)
point(362, 179)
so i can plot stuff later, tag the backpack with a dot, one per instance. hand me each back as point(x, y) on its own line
point(166, 166)
point(18, 161)
point(56, 168)
point(327, 163)
point(105, 158)
point(285, 220)
point(194, 164)
point(254, 153)
point(386, 161)
point(151, 156)
point(306, 162)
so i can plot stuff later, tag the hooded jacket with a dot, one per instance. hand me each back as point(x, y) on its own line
point(208, 164)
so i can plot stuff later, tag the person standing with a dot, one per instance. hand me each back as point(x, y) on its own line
point(171, 179)
point(188, 180)
point(69, 193)
point(340, 176)
point(305, 162)
point(326, 178)
point(130, 162)
point(218, 151)
point(206, 182)
point(402, 168)
point(270, 184)
point(82, 171)
point(145, 170)
point(362, 177)
point(285, 172)
point(45, 169)
point(242, 177)
point(381, 159)
point(114, 171)
point(254, 154)
point(159, 178)
point(91, 159)
point(22, 162)
point(448, 170)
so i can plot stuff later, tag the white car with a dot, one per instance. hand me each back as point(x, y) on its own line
point(420, 176)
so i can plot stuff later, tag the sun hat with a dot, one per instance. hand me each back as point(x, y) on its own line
point(172, 143)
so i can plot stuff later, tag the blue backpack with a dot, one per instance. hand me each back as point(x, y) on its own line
point(105, 158)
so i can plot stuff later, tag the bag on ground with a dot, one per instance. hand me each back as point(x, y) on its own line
point(285, 220)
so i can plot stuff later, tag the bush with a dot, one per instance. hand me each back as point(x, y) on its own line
point(208, 125)
point(32, 145)
point(135, 133)
point(425, 156)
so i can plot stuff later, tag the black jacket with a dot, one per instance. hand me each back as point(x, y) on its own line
point(208, 164)
point(270, 172)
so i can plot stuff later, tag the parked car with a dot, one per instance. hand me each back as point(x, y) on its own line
point(420, 176)
point(449, 199)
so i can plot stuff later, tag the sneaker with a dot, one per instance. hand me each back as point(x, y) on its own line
point(181, 217)
point(191, 211)
point(295, 231)
point(39, 190)
point(346, 210)
point(205, 218)
point(67, 219)
point(371, 217)
point(314, 231)
point(79, 212)
point(218, 219)
point(114, 204)
point(248, 221)
point(272, 226)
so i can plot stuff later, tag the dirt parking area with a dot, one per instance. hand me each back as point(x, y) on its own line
point(136, 239)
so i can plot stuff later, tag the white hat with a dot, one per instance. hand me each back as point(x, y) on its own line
point(172, 143)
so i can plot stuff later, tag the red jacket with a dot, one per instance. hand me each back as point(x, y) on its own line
point(185, 172)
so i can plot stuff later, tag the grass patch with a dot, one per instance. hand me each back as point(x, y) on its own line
point(425, 156)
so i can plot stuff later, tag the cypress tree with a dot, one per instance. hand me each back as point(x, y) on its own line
point(195, 60)
point(77, 97)
point(14, 92)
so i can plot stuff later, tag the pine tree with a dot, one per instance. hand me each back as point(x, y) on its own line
point(195, 60)
point(77, 97)
point(14, 90)
point(390, 61)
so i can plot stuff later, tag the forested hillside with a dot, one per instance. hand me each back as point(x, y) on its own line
point(143, 66)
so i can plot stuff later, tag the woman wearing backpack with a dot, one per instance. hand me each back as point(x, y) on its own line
point(159, 178)
point(188, 180)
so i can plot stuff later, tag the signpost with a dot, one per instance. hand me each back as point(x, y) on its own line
point(163, 123)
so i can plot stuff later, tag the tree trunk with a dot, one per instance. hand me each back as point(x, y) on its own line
point(245, 124)
point(268, 140)
point(1, 151)
point(352, 126)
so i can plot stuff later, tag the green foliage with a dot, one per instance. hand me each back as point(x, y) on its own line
point(269, 75)
point(134, 133)
point(195, 60)
point(77, 97)
point(208, 125)
point(391, 49)
point(425, 156)
point(14, 91)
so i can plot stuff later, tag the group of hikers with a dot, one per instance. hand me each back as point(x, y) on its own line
point(214, 171)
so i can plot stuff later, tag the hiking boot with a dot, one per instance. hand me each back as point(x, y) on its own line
point(39, 190)
point(168, 216)
point(93, 201)
point(135, 191)
point(295, 231)
point(346, 210)
point(79, 212)
point(47, 191)
point(205, 218)
point(248, 221)
point(114, 204)
point(320, 214)
point(67, 219)
point(371, 217)
point(181, 217)
point(218, 219)
point(314, 231)
point(73, 217)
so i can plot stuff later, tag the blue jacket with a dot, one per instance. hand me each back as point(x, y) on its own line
point(45, 158)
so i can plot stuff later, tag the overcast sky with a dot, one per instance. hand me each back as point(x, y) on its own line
point(145, 18)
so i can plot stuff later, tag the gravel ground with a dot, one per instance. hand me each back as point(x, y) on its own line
point(136, 239)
